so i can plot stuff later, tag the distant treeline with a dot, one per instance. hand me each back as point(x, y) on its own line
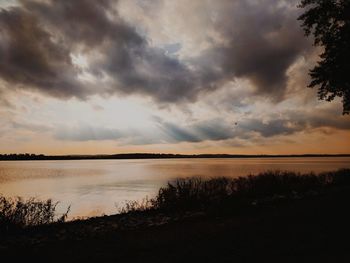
point(27, 156)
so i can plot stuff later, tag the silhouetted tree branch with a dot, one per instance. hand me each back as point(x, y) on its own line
point(329, 22)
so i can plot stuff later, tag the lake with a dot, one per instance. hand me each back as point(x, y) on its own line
point(96, 187)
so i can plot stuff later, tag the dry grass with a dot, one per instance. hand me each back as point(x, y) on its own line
point(17, 213)
point(232, 193)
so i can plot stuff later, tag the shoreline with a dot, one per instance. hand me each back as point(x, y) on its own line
point(270, 217)
point(295, 231)
point(150, 156)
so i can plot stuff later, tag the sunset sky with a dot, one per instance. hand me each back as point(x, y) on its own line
point(101, 77)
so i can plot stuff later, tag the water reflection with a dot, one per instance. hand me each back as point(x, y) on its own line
point(94, 187)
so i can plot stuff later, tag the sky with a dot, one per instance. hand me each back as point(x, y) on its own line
point(199, 76)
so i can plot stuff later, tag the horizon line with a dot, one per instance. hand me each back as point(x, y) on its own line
point(145, 155)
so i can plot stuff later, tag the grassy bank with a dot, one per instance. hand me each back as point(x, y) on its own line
point(217, 195)
point(222, 194)
point(271, 217)
point(17, 213)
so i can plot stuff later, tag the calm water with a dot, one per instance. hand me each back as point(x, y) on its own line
point(95, 187)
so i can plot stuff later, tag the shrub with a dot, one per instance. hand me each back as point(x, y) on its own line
point(199, 194)
point(17, 213)
point(132, 206)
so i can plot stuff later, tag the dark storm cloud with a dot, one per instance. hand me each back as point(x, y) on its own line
point(29, 57)
point(80, 21)
point(148, 71)
point(262, 39)
point(123, 55)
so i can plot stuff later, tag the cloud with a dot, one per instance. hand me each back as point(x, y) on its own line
point(214, 129)
point(4, 102)
point(219, 130)
point(97, 107)
point(87, 133)
point(261, 41)
point(29, 126)
point(326, 117)
point(30, 59)
point(226, 40)
point(164, 132)
point(251, 128)
point(175, 133)
point(270, 128)
point(124, 57)
point(245, 129)
point(293, 121)
point(257, 40)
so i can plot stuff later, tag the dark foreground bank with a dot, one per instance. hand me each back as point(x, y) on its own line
point(274, 217)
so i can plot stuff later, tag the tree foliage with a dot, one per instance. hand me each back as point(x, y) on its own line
point(329, 22)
